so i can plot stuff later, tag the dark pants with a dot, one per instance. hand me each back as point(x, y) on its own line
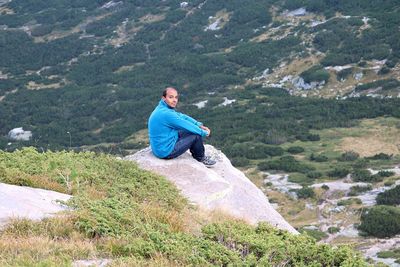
point(187, 140)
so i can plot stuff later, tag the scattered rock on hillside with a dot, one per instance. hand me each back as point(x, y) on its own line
point(19, 134)
point(222, 187)
point(29, 203)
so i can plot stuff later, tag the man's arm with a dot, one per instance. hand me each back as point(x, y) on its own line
point(190, 119)
point(206, 129)
point(175, 120)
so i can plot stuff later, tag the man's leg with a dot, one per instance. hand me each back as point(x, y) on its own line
point(190, 141)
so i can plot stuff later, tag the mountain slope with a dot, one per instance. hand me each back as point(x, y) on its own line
point(90, 72)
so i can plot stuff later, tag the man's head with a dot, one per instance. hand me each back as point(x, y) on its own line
point(170, 96)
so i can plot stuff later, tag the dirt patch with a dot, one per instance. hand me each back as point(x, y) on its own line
point(6, 11)
point(61, 34)
point(150, 18)
point(378, 137)
point(38, 86)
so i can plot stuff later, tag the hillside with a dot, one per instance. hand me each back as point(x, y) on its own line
point(87, 73)
point(302, 95)
point(126, 216)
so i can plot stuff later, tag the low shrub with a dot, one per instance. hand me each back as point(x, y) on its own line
point(380, 156)
point(314, 174)
point(285, 163)
point(295, 150)
point(318, 158)
point(356, 190)
point(325, 187)
point(349, 156)
point(333, 230)
point(362, 175)
point(389, 197)
point(240, 161)
point(305, 192)
point(338, 172)
point(381, 221)
point(385, 173)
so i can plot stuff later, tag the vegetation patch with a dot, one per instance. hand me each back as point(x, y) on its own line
point(389, 197)
point(390, 254)
point(381, 221)
point(133, 217)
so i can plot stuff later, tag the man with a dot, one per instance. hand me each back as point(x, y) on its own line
point(172, 133)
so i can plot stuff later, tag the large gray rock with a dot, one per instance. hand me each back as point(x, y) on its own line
point(29, 203)
point(222, 187)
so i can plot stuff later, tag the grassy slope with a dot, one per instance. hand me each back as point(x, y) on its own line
point(137, 218)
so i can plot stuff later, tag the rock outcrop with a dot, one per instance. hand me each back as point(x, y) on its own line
point(27, 202)
point(222, 187)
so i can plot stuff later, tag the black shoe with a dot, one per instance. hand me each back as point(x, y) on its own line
point(208, 161)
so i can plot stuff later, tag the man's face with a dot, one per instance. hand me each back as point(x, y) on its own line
point(171, 98)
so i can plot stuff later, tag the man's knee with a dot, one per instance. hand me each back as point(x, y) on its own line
point(198, 138)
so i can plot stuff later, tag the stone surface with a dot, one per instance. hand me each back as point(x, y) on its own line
point(221, 187)
point(27, 202)
point(18, 134)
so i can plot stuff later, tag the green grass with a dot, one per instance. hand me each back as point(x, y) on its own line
point(393, 254)
point(134, 217)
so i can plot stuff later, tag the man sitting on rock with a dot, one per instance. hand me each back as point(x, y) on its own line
point(172, 133)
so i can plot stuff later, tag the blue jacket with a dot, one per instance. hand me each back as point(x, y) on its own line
point(164, 124)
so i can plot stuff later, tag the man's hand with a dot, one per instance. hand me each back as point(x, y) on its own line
point(206, 129)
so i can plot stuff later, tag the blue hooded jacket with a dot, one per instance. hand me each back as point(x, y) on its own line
point(164, 124)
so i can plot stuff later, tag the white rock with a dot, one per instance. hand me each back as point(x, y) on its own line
point(184, 4)
point(18, 134)
point(297, 12)
point(222, 187)
point(201, 104)
point(27, 202)
point(227, 101)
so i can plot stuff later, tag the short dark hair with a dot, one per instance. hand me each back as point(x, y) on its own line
point(164, 94)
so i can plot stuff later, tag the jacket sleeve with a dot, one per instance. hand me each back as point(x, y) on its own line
point(175, 120)
point(188, 118)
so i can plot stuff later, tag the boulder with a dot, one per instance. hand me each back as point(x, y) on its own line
point(29, 203)
point(18, 134)
point(221, 187)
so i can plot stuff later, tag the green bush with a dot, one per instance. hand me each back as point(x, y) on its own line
point(338, 172)
point(314, 174)
point(386, 84)
point(380, 156)
point(333, 230)
point(42, 30)
point(349, 156)
point(285, 163)
point(316, 234)
point(325, 187)
point(240, 161)
point(343, 74)
point(385, 173)
point(295, 149)
point(394, 254)
point(389, 197)
point(349, 201)
point(384, 70)
point(381, 221)
point(361, 175)
point(305, 192)
point(315, 73)
point(318, 158)
point(357, 189)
